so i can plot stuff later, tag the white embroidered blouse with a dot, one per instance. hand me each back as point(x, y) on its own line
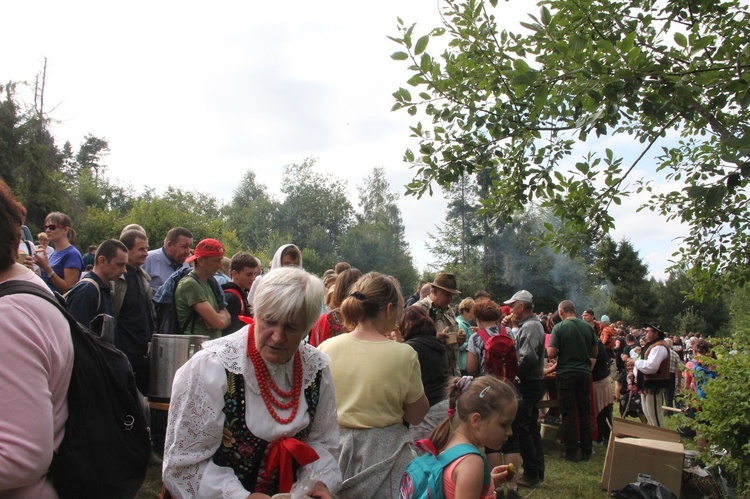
point(196, 420)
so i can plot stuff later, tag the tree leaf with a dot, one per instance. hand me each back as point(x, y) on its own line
point(399, 56)
point(421, 44)
point(546, 16)
point(521, 66)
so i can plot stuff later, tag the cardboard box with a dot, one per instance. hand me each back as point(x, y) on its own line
point(638, 449)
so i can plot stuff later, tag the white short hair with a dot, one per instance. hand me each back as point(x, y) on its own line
point(289, 295)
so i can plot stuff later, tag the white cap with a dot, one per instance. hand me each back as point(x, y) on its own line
point(522, 295)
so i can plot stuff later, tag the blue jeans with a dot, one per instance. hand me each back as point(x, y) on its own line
point(573, 395)
point(526, 426)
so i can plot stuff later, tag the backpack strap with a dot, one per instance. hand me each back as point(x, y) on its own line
point(92, 282)
point(119, 288)
point(16, 287)
point(221, 300)
point(448, 456)
point(239, 297)
point(483, 333)
point(29, 247)
point(192, 316)
point(98, 291)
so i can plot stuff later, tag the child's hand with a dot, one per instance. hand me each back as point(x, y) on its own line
point(503, 474)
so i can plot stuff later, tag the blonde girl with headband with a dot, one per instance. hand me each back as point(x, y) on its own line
point(378, 386)
point(480, 414)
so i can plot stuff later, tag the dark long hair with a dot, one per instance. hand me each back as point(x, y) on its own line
point(12, 216)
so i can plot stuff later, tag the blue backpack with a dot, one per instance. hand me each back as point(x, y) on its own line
point(423, 478)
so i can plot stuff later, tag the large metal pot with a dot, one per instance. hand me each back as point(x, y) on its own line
point(168, 353)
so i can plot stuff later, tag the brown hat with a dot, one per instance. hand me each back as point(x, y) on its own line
point(446, 282)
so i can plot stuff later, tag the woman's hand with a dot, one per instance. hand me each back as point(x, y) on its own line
point(26, 261)
point(258, 495)
point(40, 258)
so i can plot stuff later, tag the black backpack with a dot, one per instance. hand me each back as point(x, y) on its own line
point(165, 304)
point(106, 448)
point(166, 307)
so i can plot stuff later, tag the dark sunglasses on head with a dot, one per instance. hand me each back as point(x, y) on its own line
point(51, 227)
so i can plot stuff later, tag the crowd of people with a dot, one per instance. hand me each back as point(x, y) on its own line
point(326, 385)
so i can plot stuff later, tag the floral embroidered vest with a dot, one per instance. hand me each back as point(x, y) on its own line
point(242, 451)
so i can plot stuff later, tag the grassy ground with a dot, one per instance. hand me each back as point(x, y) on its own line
point(152, 486)
point(566, 480)
point(563, 479)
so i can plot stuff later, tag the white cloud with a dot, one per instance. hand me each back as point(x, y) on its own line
point(181, 88)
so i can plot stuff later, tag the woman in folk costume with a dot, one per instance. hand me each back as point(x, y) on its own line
point(254, 412)
point(378, 387)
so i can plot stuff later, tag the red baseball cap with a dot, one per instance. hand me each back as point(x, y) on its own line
point(207, 248)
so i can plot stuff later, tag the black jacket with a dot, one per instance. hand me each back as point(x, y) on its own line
point(234, 307)
point(434, 366)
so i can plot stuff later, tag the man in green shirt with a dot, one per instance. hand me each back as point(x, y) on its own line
point(574, 343)
point(201, 308)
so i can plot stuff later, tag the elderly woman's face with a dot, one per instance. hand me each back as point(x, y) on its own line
point(277, 341)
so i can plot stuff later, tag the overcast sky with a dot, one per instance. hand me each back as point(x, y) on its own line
point(194, 94)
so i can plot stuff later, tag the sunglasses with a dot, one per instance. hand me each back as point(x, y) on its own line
point(51, 227)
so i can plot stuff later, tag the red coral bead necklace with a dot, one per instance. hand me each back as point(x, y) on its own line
point(268, 386)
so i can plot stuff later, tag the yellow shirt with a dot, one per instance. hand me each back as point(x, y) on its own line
point(372, 380)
